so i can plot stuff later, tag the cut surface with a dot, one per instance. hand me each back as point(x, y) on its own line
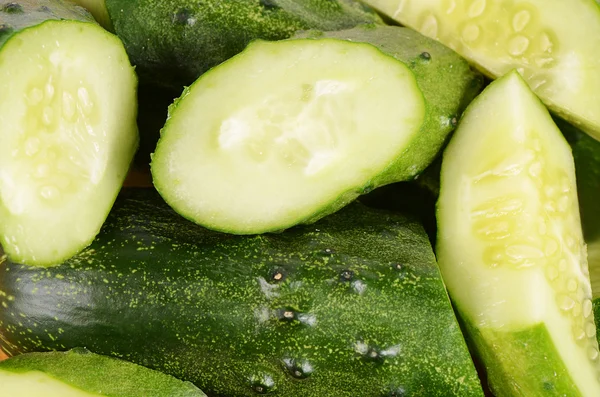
point(316, 120)
point(552, 43)
point(510, 243)
point(37, 383)
point(68, 134)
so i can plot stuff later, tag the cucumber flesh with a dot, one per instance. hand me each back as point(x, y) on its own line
point(37, 384)
point(316, 122)
point(552, 43)
point(68, 135)
point(511, 249)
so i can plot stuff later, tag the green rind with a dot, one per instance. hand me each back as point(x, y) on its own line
point(203, 306)
point(173, 42)
point(18, 15)
point(445, 78)
point(102, 375)
point(523, 353)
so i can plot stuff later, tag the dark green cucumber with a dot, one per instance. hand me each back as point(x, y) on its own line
point(172, 42)
point(322, 119)
point(67, 128)
point(80, 373)
point(351, 306)
point(510, 246)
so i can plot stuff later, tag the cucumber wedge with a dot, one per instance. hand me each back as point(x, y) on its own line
point(80, 373)
point(290, 131)
point(552, 43)
point(67, 128)
point(511, 249)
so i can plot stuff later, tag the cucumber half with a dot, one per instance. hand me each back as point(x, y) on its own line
point(511, 249)
point(67, 136)
point(284, 133)
point(552, 43)
point(80, 373)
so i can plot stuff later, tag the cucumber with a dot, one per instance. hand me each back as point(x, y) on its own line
point(80, 373)
point(552, 43)
point(68, 133)
point(320, 121)
point(511, 249)
point(172, 42)
point(586, 152)
point(338, 309)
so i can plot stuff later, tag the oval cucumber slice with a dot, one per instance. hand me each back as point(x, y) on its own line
point(284, 131)
point(552, 43)
point(67, 134)
point(290, 131)
point(511, 249)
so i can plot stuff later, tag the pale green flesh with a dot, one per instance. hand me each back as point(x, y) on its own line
point(98, 9)
point(552, 43)
point(37, 384)
point(67, 135)
point(510, 244)
point(282, 131)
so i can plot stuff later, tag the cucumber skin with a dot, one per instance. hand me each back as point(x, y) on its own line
point(162, 292)
point(447, 81)
point(105, 376)
point(172, 42)
point(28, 13)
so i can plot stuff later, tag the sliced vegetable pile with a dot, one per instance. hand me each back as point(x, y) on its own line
point(252, 261)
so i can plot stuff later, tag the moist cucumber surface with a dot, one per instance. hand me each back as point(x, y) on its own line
point(552, 43)
point(338, 309)
point(511, 249)
point(319, 122)
point(80, 373)
point(67, 128)
point(172, 42)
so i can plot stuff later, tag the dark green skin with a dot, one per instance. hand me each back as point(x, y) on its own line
point(212, 308)
point(172, 42)
point(105, 376)
point(16, 15)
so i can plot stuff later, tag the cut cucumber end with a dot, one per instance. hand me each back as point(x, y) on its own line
point(552, 43)
point(68, 136)
point(510, 244)
point(35, 383)
point(316, 121)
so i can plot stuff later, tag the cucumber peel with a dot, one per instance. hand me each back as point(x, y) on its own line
point(68, 132)
point(511, 248)
point(552, 43)
point(80, 373)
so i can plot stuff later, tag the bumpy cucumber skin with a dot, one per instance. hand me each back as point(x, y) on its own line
point(101, 375)
point(16, 15)
point(172, 42)
point(352, 306)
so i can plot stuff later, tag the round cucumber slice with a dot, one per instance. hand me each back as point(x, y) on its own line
point(511, 249)
point(67, 135)
point(552, 43)
point(285, 133)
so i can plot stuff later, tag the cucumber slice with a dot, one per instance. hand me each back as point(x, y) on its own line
point(511, 249)
point(67, 134)
point(80, 373)
point(290, 131)
point(552, 43)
